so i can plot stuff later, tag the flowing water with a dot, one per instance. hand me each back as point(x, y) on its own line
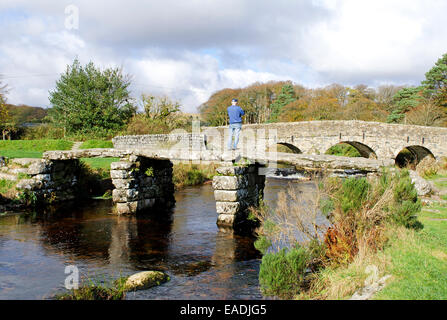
point(203, 262)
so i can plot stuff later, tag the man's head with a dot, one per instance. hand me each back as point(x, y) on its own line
point(234, 102)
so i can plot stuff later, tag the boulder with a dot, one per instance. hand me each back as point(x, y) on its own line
point(423, 187)
point(144, 280)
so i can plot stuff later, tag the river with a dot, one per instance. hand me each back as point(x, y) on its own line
point(203, 262)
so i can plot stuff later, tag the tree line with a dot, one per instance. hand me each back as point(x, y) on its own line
point(285, 101)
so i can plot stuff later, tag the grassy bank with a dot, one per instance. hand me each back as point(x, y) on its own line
point(31, 148)
point(93, 144)
point(379, 236)
point(185, 175)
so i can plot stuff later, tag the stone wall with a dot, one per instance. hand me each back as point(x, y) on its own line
point(141, 183)
point(178, 140)
point(43, 180)
point(236, 188)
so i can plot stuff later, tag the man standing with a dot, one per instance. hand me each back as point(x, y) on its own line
point(234, 113)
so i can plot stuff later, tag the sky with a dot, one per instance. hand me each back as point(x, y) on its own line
point(191, 49)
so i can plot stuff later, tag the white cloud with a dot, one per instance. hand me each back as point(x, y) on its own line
point(191, 49)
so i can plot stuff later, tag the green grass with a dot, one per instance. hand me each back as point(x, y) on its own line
point(100, 163)
point(419, 259)
point(92, 144)
point(31, 148)
point(343, 149)
point(100, 166)
point(6, 185)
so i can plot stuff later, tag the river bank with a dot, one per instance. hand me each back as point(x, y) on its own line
point(382, 243)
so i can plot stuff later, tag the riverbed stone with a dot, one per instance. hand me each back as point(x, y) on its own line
point(422, 186)
point(144, 280)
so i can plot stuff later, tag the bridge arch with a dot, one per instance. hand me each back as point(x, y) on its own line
point(291, 147)
point(364, 150)
point(412, 155)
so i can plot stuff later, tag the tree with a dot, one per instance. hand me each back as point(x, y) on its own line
point(426, 114)
point(160, 115)
point(91, 101)
point(435, 83)
point(159, 108)
point(403, 101)
point(6, 124)
point(286, 96)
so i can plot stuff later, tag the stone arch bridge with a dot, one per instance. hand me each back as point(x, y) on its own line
point(371, 139)
point(143, 176)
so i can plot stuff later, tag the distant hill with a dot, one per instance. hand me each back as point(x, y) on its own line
point(26, 114)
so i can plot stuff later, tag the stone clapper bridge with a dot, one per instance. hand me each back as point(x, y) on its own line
point(143, 176)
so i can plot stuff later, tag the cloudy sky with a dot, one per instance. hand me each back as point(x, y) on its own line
point(190, 49)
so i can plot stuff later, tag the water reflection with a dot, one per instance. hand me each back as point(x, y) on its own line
point(202, 261)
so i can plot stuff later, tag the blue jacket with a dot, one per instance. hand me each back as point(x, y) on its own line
point(235, 113)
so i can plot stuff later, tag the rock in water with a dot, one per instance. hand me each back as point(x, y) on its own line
point(144, 280)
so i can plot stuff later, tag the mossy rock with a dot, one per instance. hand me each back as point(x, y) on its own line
point(144, 280)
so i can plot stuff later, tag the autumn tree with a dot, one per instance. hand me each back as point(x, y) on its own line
point(160, 115)
point(427, 113)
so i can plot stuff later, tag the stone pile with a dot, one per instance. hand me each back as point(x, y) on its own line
point(44, 180)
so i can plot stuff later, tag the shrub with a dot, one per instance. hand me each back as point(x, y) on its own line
point(353, 194)
point(406, 203)
point(191, 174)
point(96, 290)
point(283, 273)
point(262, 244)
point(362, 208)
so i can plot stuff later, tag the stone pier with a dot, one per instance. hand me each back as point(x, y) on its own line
point(236, 188)
point(141, 183)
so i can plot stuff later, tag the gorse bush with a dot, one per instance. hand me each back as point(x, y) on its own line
point(283, 273)
point(406, 203)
